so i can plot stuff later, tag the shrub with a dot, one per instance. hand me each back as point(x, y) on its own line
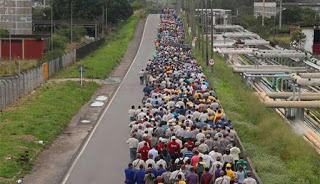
point(4, 33)
point(59, 42)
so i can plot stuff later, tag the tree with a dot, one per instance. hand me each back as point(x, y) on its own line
point(91, 10)
point(78, 32)
point(298, 38)
point(4, 33)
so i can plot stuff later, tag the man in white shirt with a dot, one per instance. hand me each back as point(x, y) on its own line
point(151, 161)
point(153, 152)
point(223, 179)
point(235, 151)
point(132, 113)
point(249, 179)
point(137, 162)
point(133, 145)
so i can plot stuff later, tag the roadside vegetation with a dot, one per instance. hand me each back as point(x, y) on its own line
point(41, 116)
point(8, 68)
point(277, 153)
point(100, 63)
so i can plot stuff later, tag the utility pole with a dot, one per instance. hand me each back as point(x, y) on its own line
point(193, 27)
point(211, 29)
point(280, 16)
point(263, 13)
point(71, 22)
point(187, 12)
point(202, 26)
point(106, 17)
point(198, 25)
point(206, 33)
point(51, 24)
point(10, 52)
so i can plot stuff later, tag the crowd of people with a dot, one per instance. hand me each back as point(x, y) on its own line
point(180, 133)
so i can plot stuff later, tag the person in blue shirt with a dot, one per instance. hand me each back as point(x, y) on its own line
point(129, 172)
point(139, 176)
point(160, 170)
point(147, 90)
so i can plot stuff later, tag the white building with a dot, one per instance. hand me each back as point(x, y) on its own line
point(269, 8)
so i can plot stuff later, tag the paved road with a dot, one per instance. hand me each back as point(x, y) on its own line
point(106, 154)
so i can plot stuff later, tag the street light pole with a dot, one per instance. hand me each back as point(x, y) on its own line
point(206, 33)
point(71, 23)
point(51, 41)
point(198, 25)
point(280, 16)
point(211, 29)
point(202, 26)
point(263, 13)
point(10, 53)
point(106, 17)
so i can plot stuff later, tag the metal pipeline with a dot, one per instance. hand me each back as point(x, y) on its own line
point(289, 94)
point(305, 81)
point(292, 104)
point(288, 104)
point(309, 75)
point(304, 98)
point(268, 66)
point(285, 70)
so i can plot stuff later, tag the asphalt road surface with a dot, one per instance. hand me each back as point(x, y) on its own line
point(106, 154)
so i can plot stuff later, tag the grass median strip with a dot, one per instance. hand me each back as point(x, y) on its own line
point(38, 117)
point(100, 63)
point(278, 154)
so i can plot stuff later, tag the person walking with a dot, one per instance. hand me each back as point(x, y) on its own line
point(249, 179)
point(166, 176)
point(133, 145)
point(144, 151)
point(129, 173)
point(192, 177)
point(141, 76)
point(139, 176)
point(240, 174)
point(223, 179)
point(206, 177)
point(149, 176)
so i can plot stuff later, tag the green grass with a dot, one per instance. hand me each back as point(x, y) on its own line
point(101, 62)
point(281, 38)
point(8, 68)
point(245, 59)
point(277, 153)
point(39, 116)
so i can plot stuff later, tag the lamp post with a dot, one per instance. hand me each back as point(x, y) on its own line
point(71, 38)
point(206, 33)
point(211, 29)
point(51, 41)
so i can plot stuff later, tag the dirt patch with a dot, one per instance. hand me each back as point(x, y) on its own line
point(4, 179)
point(27, 138)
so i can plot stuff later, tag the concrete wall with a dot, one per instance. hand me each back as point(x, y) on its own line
point(13, 88)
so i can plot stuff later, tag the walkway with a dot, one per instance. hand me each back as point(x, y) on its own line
point(106, 153)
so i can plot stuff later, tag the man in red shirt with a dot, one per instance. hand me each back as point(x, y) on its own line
point(160, 145)
point(144, 151)
point(190, 143)
point(173, 145)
